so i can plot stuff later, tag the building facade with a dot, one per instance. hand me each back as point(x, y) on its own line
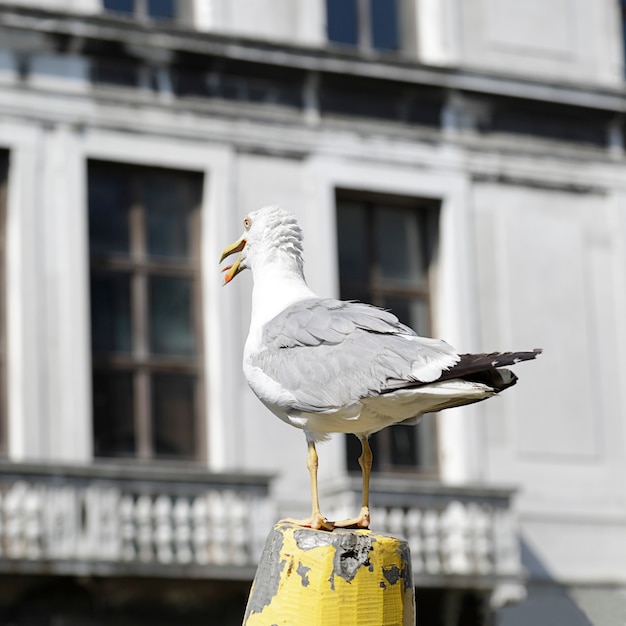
point(459, 162)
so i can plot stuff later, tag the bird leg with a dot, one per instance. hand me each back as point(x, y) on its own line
point(365, 461)
point(316, 521)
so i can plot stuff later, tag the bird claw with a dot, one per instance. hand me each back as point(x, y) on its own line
point(362, 521)
point(315, 522)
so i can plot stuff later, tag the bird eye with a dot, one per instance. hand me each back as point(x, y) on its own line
point(247, 223)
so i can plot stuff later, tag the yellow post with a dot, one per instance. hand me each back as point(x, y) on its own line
point(340, 578)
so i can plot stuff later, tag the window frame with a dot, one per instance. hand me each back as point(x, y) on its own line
point(429, 210)
point(4, 186)
point(140, 266)
point(622, 14)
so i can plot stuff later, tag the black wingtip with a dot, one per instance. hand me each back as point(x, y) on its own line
point(502, 359)
point(473, 366)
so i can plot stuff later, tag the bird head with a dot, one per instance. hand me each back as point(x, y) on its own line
point(269, 233)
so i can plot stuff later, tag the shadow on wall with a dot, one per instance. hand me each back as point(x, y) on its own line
point(117, 601)
point(548, 603)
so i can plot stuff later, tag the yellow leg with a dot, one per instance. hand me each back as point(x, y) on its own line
point(365, 461)
point(317, 520)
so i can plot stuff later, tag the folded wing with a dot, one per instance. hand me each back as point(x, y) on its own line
point(330, 354)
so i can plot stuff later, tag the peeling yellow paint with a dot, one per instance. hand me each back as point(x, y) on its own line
point(343, 578)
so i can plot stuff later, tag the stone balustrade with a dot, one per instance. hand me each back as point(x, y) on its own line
point(464, 536)
point(108, 519)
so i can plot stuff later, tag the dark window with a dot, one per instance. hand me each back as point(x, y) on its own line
point(547, 121)
point(142, 9)
point(366, 24)
point(194, 75)
point(384, 24)
point(387, 247)
point(4, 174)
point(343, 21)
point(120, 6)
point(145, 331)
point(356, 97)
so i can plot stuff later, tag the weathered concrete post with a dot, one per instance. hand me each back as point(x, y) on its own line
point(340, 578)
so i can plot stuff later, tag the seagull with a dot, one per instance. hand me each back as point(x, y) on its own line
point(331, 366)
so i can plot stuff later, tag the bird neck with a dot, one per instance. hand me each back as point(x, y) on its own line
point(276, 286)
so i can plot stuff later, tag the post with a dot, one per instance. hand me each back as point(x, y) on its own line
point(319, 578)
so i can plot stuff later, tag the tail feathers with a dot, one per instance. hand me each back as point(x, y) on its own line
point(484, 368)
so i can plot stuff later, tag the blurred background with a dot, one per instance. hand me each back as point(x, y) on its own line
point(460, 162)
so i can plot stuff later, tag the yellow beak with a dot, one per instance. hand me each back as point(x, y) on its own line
point(235, 268)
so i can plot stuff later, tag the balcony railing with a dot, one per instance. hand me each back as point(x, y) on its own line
point(132, 520)
point(459, 536)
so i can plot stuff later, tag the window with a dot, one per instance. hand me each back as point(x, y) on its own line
point(145, 311)
point(4, 174)
point(364, 24)
point(142, 9)
point(387, 247)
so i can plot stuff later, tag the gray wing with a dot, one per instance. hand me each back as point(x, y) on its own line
point(329, 353)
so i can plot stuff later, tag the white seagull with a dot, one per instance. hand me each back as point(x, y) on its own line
point(329, 366)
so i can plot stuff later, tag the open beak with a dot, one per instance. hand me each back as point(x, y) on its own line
point(235, 268)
